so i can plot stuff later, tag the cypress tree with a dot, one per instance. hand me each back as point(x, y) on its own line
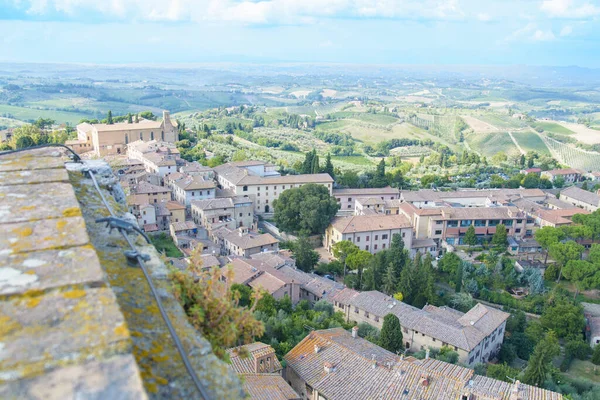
point(390, 337)
point(109, 118)
point(329, 166)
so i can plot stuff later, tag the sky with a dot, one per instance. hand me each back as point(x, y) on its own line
point(464, 32)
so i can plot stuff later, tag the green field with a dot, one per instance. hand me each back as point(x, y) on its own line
point(357, 160)
point(530, 141)
point(553, 128)
point(501, 121)
point(31, 114)
point(489, 144)
point(584, 370)
point(164, 244)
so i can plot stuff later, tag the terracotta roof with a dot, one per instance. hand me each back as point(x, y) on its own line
point(183, 226)
point(145, 188)
point(565, 171)
point(250, 240)
point(362, 370)
point(368, 223)
point(137, 199)
point(581, 195)
point(268, 282)
point(123, 126)
point(255, 350)
point(243, 272)
point(286, 179)
point(174, 205)
point(434, 195)
point(195, 182)
point(268, 387)
point(150, 228)
point(213, 204)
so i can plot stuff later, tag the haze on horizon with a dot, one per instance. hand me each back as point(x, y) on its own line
point(463, 32)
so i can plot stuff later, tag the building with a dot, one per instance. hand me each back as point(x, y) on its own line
point(570, 175)
point(262, 182)
point(369, 232)
point(580, 198)
point(106, 139)
point(536, 171)
point(229, 212)
point(243, 243)
point(347, 197)
point(195, 168)
point(469, 198)
point(152, 193)
point(334, 364)
point(592, 318)
point(476, 336)
point(184, 229)
point(524, 247)
point(261, 371)
point(193, 188)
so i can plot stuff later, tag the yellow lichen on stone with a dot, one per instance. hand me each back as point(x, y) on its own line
point(72, 212)
point(7, 325)
point(74, 294)
point(27, 208)
point(60, 224)
point(161, 381)
point(24, 231)
point(33, 302)
point(122, 330)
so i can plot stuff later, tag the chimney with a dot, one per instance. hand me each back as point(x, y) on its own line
point(424, 380)
point(328, 367)
point(355, 332)
point(317, 348)
point(373, 361)
point(514, 393)
point(166, 116)
point(427, 354)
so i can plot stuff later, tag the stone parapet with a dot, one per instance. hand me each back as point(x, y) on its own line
point(75, 320)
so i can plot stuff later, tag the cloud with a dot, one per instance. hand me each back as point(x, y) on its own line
point(566, 30)
point(569, 9)
point(542, 36)
point(484, 17)
point(251, 11)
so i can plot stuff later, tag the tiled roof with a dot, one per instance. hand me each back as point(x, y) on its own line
point(481, 213)
point(581, 195)
point(268, 387)
point(250, 240)
point(213, 204)
point(433, 195)
point(124, 126)
point(145, 188)
point(268, 282)
point(285, 179)
point(174, 205)
point(445, 324)
point(183, 225)
point(195, 182)
point(255, 350)
point(368, 223)
point(565, 171)
point(362, 370)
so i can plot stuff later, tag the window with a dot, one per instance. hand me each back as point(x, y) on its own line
point(403, 234)
point(376, 237)
point(384, 237)
point(162, 135)
point(383, 246)
point(479, 222)
point(452, 224)
point(283, 187)
point(367, 239)
point(405, 330)
point(438, 232)
point(141, 136)
point(471, 360)
point(258, 194)
point(258, 188)
point(518, 230)
point(349, 198)
point(151, 135)
point(358, 239)
point(465, 222)
point(366, 314)
point(245, 188)
point(376, 319)
point(519, 221)
point(356, 310)
point(349, 206)
point(375, 247)
point(367, 247)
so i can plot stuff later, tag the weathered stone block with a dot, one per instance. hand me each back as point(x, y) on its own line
point(28, 161)
point(42, 235)
point(49, 269)
point(117, 378)
point(35, 176)
point(21, 203)
point(40, 333)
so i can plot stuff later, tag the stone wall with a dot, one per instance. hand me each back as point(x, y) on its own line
point(75, 320)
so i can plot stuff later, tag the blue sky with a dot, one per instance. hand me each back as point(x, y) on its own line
point(544, 32)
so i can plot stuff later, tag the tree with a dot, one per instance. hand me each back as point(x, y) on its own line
point(328, 169)
point(449, 263)
point(500, 238)
point(315, 168)
point(306, 258)
point(390, 337)
point(565, 319)
point(522, 161)
point(531, 181)
point(470, 237)
point(548, 236)
point(596, 355)
point(397, 254)
point(502, 372)
point(342, 249)
point(562, 253)
point(540, 362)
point(358, 261)
point(379, 179)
point(129, 118)
point(559, 182)
point(583, 274)
point(305, 210)
point(214, 308)
point(109, 118)
point(149, 115)
point(390, 281)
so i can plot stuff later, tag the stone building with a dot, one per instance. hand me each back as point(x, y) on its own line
point(106, 139)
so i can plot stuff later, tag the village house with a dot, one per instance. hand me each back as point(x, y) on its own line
point(152, 193)
point(229, 212)
point(334, 364)
point(346, 197)
point(580, 198)
point(570, 175)
point(262, 182)
point(195, 168)
point(182, 229)
point(193, 188)
point(469, 198)
point(372, 233)
point(260, 370)
point(107, 139)
point(243, 243)
point(476, 336)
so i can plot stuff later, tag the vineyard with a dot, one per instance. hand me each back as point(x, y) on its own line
point(572, 156)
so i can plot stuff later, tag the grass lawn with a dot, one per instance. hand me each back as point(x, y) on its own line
point(489, 144)
point(164, 244)
point(553, 128)
point(358, 160)
point(584, 370)
point(26, 114)
point(531, 141)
